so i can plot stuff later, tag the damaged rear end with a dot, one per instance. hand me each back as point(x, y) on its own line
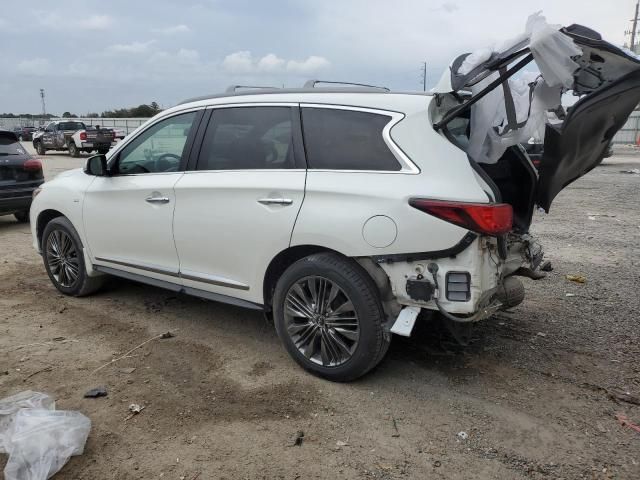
point(489, 103)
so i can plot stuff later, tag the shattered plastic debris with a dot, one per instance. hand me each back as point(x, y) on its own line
point(38, 439)
point(576, 278)
point(463, 435)
point(569, 294)
point(633, 171)
point(625, 422)
point(135, 408)
point(546, 266)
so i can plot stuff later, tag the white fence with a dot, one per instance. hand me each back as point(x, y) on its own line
point(630, 131)
point(126, 124)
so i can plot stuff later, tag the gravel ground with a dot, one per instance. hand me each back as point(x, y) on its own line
point(536, 392)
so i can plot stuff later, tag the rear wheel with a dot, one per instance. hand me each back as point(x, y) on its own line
point(103, 151)
point(73, 150)
point(22, 216)
point(40, 148)
point(63, 257)
point(328, 314)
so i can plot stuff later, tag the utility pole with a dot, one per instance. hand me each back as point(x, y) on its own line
point(632, 45)
point(44, 110)
point(424, 75)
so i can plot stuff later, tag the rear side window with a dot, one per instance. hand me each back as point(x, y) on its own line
point(9, 146)
point(346, 140)
point(242, 138)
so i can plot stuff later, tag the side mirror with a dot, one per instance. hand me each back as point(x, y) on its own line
point(96, 165)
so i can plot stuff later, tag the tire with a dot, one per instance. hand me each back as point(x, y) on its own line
point(73, 150)
point(59, 236)
point(339, 347)
point(103, 151)
point(40, 148)
point(22, 217)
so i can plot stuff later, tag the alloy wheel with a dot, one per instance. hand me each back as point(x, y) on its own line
point(321, 321)
point(62, 258)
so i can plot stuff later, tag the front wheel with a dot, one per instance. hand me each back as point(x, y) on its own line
point(328, 314)
point(63, 257)
point(73, 150)
point(40, 148)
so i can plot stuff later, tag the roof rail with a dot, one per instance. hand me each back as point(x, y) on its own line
point(233, 88)
point(313, 83)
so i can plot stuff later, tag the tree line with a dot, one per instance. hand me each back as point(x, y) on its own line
point(141, 111)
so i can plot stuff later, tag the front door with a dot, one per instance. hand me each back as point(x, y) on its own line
point(128, 215)
point(235, 212)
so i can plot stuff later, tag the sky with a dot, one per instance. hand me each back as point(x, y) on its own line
point(91, 56)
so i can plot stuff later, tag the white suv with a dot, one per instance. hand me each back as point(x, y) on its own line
point(343, 212)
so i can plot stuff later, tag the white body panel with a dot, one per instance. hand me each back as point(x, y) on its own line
point(223, 233)
point(122, 227)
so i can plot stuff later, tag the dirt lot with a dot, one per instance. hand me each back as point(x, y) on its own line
point(535, 392)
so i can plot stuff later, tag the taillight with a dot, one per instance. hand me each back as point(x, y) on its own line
point(83, 135)
point(32, 165)
point(487, 218)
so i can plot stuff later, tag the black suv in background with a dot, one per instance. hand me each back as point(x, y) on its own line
point(20, 175)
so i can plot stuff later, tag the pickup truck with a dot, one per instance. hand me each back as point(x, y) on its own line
point(73, 136)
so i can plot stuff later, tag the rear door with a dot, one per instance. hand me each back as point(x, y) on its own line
point(235, 210)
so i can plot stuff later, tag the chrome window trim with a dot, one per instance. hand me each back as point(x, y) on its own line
point(407, 166)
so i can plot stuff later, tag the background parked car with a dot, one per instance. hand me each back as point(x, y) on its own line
point(25, 134)
point(20, 175)
point(73, 136)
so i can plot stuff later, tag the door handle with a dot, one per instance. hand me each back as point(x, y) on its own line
point(157, 199)
point(275, 201)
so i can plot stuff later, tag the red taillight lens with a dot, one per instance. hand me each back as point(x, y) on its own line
point(487, 218)
point(32, 165)
point(83, 135)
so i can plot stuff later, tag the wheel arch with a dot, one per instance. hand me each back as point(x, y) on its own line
point(284, 260)
point(44, 217)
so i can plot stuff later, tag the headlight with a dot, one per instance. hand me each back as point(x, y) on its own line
point(36, 192)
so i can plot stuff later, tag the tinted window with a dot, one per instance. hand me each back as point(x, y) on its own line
point(9, 146)
point(159, 148)
point(71, 126)
point(248, 138)
point(346, 140)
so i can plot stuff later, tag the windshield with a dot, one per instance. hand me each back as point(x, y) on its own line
point(71, 126)
point(8, 146)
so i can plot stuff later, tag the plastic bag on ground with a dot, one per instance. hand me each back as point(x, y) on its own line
point(38, 439)
point(9, 407)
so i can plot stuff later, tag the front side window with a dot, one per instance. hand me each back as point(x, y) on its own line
point(338, 139)
point(160, 148)
point(242, 138)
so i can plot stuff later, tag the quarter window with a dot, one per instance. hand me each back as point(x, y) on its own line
point(160, 148)
point(241, 138)
point(338, 139)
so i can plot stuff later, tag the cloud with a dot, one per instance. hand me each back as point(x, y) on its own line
point(96, 22)
point(34, 66)
point(81, 21)
point(310, 65)
point(172, 30)
point(449, 7)
point(238, 62)
point(270, 63)
point(126, 48)
point(242, 62)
